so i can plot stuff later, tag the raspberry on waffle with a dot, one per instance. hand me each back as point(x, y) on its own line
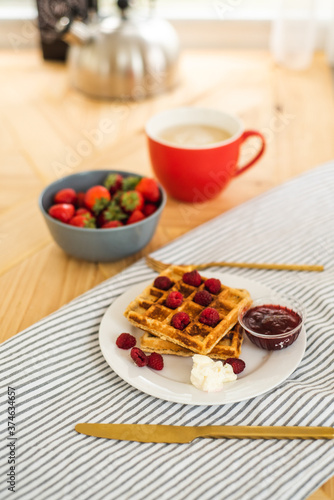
point(228, 346)
point(150, 313)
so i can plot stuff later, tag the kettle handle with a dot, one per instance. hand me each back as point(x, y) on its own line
point(123, 5)
point(92, 5)
point(73, 32)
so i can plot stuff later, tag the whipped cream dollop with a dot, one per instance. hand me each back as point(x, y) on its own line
point(210, 376)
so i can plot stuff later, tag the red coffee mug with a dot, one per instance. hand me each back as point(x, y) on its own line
point(198, 173)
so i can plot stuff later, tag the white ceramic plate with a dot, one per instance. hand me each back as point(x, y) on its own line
point(264, 369)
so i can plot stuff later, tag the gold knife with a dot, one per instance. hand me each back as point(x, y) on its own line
point(146, 433)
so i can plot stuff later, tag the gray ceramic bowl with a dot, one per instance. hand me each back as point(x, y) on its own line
point(97, 245)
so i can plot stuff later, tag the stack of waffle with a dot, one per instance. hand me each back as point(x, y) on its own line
point(150, 313)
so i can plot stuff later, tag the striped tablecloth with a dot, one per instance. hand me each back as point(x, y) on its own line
point(60, 377)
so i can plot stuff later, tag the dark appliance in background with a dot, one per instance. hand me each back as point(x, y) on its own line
point(49, 12)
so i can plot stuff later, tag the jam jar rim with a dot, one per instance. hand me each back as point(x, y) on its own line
point(274, 300)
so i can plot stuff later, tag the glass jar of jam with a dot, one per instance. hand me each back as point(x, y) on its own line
point(272, 324)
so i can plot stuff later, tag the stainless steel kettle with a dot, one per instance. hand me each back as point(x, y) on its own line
point(124, 57)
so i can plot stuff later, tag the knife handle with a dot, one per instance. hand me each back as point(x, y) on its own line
point(149, 433)
point(265, 432)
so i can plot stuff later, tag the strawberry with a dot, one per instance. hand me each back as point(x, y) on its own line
point(131, 201)
point(83, 211)
point(129, 183)
point(97, 198)
point(149, 189)
point(149, 209)
point(62, 211)
point(67, 195)
point(113, 182)
point(136, 216)
point(112, 213)
point(112, 223)
point(80, 199)
point(117, 197)
point(83, 220)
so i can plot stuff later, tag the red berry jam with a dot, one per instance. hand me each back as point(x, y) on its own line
point(268, 326)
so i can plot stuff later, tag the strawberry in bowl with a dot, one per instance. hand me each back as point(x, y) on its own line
point(100, 215)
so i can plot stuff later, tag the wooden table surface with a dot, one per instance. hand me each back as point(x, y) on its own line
point(48, 130)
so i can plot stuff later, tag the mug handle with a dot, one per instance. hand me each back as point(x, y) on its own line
point(244, 137)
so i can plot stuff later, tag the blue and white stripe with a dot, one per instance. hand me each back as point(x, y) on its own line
point(61, 377)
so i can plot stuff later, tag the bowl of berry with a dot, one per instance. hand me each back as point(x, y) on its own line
point(102, 215)
point(273, 323)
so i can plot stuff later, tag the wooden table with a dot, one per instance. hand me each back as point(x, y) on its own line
point(48, 130)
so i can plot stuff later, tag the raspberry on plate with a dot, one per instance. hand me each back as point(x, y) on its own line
point(238, 365)
point(155, 361)
point(138, 356)
point(180, 320)
point(213, 285)
point(162, 282)
point(193, 278)
point(174, 300)
point(203, 298)
point(209, 317)
point(125, 341)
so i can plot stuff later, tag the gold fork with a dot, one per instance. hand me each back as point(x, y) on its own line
point(159, 266)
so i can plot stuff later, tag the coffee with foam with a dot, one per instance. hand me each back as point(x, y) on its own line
point(192, 135)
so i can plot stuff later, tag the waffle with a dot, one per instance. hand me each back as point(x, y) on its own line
point(228, 347)
point(149, 313)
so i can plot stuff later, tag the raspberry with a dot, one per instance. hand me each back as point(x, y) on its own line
point(162, 282)
point(213, 285)
point(193, 278)
point(238, 365)
point(180, 320)
point(138, 356)
point(209, 317)
point(203, 298)
point(125, 341)
point(155, 361)
point(174, 300)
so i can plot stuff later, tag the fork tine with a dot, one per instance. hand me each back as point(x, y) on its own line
point(156, 265)
point(152, 264)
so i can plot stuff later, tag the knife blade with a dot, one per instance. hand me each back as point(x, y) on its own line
point(146, 433)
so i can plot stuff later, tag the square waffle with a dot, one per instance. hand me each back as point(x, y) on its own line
point(149, 312)
point(228, 347)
